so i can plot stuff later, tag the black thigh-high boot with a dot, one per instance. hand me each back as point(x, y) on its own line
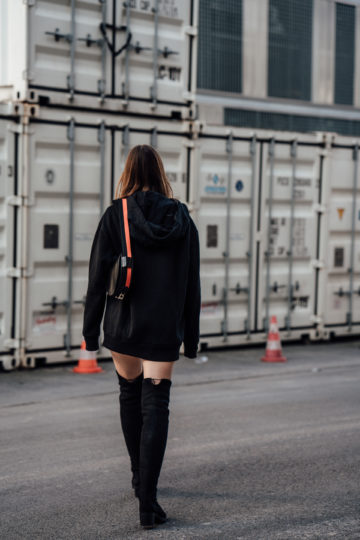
point(131, 421)
point(155, 412)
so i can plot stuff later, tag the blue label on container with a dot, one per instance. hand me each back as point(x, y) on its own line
point(239, 186)
point(215, 189)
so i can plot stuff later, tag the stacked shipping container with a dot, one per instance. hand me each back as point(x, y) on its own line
point(81, 82)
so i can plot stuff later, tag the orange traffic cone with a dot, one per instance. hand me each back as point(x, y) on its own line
point(273, 351)
point(87, 361)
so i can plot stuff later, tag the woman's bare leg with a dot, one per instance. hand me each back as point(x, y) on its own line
point(157, 370)
point(127, 366)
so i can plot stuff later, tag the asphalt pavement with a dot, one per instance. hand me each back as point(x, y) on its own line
point(255, 450)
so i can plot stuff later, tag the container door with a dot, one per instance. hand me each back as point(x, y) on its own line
point(228, 171)
point(70, 187)
point(155, 67)
point(341, 241)
point(67, 50)
point(288, 239)
point(8, 220)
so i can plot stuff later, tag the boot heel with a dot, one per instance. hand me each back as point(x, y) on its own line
point(147, 520)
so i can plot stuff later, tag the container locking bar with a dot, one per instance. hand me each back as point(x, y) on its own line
point(54, 303)
point(349, 315)
point(166, 52)
point(90, 41)
point(102, 82)
point(275, 287)
point(58, 35)
point(82, 302)
point(341, 292)
point(271, 153)
point(249, 253)
point(138, 48)
point(153, 88)
point(101, 140)
point(290, 253)
point(226, 254)
point(69, 257)
point(238, 289)
point(126, 84)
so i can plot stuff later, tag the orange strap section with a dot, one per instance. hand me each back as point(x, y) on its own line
point(127, 233)
point(127, 239)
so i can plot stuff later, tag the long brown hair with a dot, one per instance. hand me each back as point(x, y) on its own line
point(143, 169)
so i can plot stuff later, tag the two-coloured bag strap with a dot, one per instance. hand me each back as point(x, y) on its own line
point(125, 240)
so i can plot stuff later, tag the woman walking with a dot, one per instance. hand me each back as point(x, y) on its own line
point(161, 309)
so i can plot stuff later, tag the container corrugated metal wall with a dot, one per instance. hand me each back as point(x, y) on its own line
point(73, 165)
point(99, 53)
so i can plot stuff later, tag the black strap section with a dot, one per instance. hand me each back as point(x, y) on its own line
point(121, 280)
point(104, 26)
point(122, 230)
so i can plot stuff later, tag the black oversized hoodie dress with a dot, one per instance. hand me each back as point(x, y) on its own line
point(162, 307)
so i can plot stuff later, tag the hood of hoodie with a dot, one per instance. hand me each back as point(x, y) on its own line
point(154, 219)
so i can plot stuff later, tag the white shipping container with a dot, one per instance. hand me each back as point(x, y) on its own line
point(257, 201)
point(73, 167)
point(277, 215)
point(99, 53)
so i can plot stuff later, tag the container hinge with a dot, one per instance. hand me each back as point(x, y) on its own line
point(319, 208)
point(16, 128)
point(12, 343)
point(19, 272)
point(188, 144)
point(126, 135)
point(317, 319)
point(154, 137)
point(188, 96)
point(191, 30)
point(14, 200)
point(27, 75)
point(13, 272)
point(17, 200)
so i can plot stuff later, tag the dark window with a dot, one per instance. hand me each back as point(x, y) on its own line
point(344, 54)
point(339, 257)
point(51, 236)
point(219, 46)
point(289, 122)
point(290, 42)
point(211, 236)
